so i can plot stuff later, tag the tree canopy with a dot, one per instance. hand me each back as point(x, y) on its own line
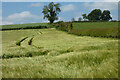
point(51, 11)
point(105, 16)
point(95, 15)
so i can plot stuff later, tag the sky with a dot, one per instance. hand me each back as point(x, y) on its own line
point(31, 12)
point(60, 0)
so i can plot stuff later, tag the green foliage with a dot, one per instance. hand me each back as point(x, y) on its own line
point(98, 15)
point(64, 26)
point(51, 11)
point(105, 16)
point(94, 15)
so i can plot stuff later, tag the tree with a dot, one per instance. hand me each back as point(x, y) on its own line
point(84, 16)
point(105, 16)
point(51, 11)
point(94, 15)
point(73, 19)
point(79, 19)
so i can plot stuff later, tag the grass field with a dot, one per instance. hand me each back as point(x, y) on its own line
point(96, 29)
point(95, 25)
point(16, 26)
point(56, 54)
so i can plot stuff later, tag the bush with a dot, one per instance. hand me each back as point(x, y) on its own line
point(64, 26)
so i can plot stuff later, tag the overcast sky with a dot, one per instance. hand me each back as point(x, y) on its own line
point(31, 12)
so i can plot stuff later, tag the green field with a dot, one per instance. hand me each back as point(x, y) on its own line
point(96, 29)
point(56, 54)
point(16, 26)
point(95, 25)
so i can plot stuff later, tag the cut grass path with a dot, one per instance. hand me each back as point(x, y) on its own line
point(65, 55)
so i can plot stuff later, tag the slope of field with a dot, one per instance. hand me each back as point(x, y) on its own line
point(56, 54)
point(96, 29)
point(95, 25)
point(30, 25)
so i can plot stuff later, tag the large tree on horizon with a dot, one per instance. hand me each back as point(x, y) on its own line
point(105, 16)
point(51, 11)
point(94, 15)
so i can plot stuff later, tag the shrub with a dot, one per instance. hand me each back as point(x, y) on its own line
point(64, 26)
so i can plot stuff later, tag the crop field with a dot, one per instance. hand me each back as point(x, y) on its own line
point(50, 53)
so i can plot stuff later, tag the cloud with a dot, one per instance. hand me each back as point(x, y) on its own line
point(69, 7)
point(23, 17)
point(101, 5)
point(36, 5)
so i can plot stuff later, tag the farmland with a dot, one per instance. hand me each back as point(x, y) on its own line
point(57, 54)
point(96, 29)
point(25, 26)
point(95, 25)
